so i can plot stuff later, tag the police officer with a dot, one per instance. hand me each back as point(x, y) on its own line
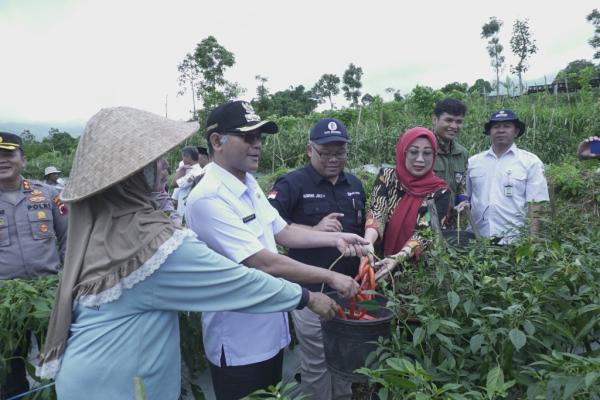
point(33, 232)
point(322, 197)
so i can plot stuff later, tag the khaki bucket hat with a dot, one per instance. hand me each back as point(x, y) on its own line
point(118, 142)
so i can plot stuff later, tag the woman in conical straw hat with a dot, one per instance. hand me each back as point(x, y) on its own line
point(128, 269)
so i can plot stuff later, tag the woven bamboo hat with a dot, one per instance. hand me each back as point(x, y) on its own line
point(118, 142)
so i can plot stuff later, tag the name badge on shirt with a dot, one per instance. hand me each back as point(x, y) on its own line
point(508, 190)
point(249, 218)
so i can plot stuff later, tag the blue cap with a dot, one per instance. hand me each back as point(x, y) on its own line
point(504, 115)
point(329, 130)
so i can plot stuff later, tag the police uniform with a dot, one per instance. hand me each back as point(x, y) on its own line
point(33, 232)
point(305, 197)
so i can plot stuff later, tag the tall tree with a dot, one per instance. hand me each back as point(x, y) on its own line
point(594, 18)
point(352, 83)
point(261, 103)
point(327, 86)
point(212, 61)
point(490, 32)
point(523, 46)
point(189, 74)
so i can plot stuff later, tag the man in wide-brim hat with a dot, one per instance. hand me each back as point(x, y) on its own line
point(129, 269)
point(505, 183)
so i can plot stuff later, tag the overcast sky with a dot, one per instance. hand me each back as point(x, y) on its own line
point(63, 60)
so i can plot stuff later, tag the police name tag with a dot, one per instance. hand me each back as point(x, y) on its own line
point(249, 218)
point(508, 190)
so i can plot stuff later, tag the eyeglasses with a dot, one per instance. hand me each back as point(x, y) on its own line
point(249, 138)
point(328, 156)
point(414, 153)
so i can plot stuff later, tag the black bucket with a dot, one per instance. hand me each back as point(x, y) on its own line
point(457, 238)
point(347, 343)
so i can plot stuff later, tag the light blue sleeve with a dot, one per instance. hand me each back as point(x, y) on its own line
point(195, 278)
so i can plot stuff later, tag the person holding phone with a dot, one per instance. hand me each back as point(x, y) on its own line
point(589, 149)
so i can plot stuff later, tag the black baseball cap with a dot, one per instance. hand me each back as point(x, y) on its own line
point(502, 116)
point(237, 116)
point(329, 130)
point(10, 141)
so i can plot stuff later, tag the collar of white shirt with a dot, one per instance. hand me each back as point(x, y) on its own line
point(512, 149)
point(233, 184)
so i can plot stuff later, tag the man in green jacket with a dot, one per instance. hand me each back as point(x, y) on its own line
point(451, 162)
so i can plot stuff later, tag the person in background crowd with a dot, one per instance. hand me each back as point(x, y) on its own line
point(321, 196)
point(129, 270)
point(159, 192)
point(505, 183)
point(203, 158)
point(184, 178)
point(399, 209)
point(52, 177)
point(33, 235)
point(584, 151)
point(229, 211)
point(451, 161)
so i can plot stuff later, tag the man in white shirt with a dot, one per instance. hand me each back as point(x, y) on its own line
point(505, 183)
point(184, 178)
point(229, 211)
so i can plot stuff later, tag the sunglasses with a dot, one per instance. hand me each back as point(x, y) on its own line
point(249, 138)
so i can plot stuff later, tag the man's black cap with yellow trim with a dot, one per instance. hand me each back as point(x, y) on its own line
point(237, 116)
point(10, 141)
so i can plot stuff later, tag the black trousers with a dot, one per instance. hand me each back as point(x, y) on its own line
point(16, 379)
point(235, 382)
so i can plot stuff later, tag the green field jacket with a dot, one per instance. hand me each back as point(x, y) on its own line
point(451, 166)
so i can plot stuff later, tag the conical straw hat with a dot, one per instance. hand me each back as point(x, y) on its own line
point(118, 142)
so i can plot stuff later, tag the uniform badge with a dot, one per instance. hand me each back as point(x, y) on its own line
point(272, 195)
point(60, 205)
point(41, 215)
point(26, 185)
point(36, 192)
point(44, 228)
point(37, 199)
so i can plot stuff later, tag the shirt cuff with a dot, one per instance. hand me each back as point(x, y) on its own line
point(303, 299)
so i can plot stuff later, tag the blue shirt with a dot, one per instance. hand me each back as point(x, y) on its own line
point(138, 334)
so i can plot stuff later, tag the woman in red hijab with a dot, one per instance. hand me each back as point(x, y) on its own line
point(398, 210)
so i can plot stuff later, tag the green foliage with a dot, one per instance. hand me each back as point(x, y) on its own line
point(594, 19)
point(278, 391)
point(578, 74)
point(481, 87)
point(209, 63)
point(295, 101)
point(489, 322)
point(352, 83)
point(326, 87)
point(523, 46)
point(57, 149)
point(491, 31)
point(25, 308)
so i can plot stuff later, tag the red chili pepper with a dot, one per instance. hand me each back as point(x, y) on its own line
point(341, 313)
point(367, 317)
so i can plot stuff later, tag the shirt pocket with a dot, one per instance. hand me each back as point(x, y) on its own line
point(4, 237)
point(353, 209)
point(477, 177)
point(314, 211)
point(42, 226)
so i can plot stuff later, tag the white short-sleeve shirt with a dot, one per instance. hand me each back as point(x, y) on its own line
point(235, 219)
point(501, 187)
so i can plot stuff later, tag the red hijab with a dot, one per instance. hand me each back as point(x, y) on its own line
point(401, 226)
